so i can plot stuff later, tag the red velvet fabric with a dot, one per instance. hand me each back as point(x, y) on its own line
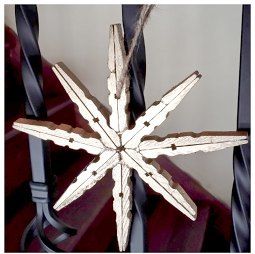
point(92, 214)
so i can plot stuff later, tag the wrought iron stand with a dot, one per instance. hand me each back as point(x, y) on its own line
point(42, 183)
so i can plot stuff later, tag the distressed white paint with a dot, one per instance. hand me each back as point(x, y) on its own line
point(62, 135)
point(122, 152)
point(179, 39)
point(119, 116)
point(158, 112)
point(186, 143)
point(87, 107)
point(160, 181)
point(121, 173)
point(94, 172)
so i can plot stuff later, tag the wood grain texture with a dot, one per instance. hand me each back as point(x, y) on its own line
point(62, 135)
point(160, 181)
point(122, 203)
point(86, 105)
point(95, 171)
point(121, 173)
point(186, 143)
point(158, 112)
point(120, 116)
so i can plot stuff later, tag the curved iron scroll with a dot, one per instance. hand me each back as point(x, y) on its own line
point(137, 71)
point(42, 179)
point(240, 241)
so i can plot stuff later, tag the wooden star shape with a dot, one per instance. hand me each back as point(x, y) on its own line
point(122, 149)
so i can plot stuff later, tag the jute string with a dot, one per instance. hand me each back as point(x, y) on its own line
point(144, 15)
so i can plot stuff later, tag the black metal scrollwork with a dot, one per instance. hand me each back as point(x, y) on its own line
point(42, 183)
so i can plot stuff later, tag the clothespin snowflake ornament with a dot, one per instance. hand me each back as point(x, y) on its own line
point(122, 149)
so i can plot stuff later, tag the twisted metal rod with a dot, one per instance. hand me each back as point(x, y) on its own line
point(41, 187)
point(28, 32)
point(240, 241)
